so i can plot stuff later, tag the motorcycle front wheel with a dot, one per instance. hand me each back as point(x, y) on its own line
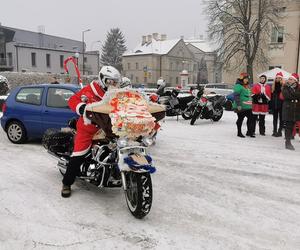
point(195, 116)
point(138, 193)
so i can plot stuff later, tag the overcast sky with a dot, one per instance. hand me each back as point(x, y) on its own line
point(135, 18)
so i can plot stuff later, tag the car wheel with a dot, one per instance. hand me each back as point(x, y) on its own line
point(16, 132)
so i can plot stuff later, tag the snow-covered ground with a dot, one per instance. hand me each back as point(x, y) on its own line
point(212, 190)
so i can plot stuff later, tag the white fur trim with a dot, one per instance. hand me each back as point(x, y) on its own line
point(78, 107)
point(80, 153)
point(94, 89)
point(259, 113)
point(86, 120)
point(294, 78)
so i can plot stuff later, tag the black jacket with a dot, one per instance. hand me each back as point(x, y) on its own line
point(291, 103)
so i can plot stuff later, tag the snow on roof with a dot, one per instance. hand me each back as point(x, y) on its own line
point(155, 47)
point(203, 45)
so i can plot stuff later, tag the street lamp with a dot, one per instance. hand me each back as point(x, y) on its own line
point(83, 48)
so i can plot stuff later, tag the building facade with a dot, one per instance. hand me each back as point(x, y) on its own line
point(27, 51)
point(158, 57)
point(283, 47)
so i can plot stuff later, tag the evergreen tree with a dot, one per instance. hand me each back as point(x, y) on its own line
point(113, 49)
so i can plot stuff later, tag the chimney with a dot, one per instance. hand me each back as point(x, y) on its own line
point(149, 38)
point(144, 40)
point(163, 37)
point(155, 36)
point(182, 37)
point(201, 37)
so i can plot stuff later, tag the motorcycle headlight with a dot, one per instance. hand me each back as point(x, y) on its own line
point(122, 142)
point(148, 141)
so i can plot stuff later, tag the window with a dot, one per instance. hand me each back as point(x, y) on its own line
point(58, 97)
point(131, 77)
point(136, 65)
point(136, 79)
point(61, 60)
point(9, 55)
point(272, 67)
point(33, 59)
point(171, 66)
point(171, 80)
point(48, 60)
point(85, 59)
point(30, 96)
point(128, 65)
point(177, 80)
point(277, 35)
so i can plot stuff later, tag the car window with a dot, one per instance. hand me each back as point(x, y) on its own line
point(30, 96)
point(58, 97)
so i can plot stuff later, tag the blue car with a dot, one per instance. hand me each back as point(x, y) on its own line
point(30, 110)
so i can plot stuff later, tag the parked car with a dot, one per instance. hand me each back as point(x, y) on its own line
point(30, 110)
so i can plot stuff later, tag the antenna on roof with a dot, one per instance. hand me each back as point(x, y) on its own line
point(41, 29)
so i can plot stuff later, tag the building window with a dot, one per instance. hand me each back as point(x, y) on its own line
point(171, 80)
point(48, 60)
point(136, 65)
point(273, 67)
point(177, 79)
point(61, 60)
point(136, 79)
point(33, 59)
point(277, 35)
point(85, 59)
point(9, 55)
point(128, 66)
point(131, 77)
point(171, 66)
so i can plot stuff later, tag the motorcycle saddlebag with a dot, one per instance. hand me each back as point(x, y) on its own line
point(58, 141)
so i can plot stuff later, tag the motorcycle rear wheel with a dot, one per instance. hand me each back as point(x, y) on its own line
point(187, 114)
point(139, 193)
point(218, 109)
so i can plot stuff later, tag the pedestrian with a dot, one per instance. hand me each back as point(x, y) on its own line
point(243, 105)
point(276, 104)
point(261, 95)
point(291, 107)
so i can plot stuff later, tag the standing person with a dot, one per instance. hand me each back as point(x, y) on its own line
point(261, 95)
point(108, 77)
point(277, 102)
point(243, 105)
point(291, 107)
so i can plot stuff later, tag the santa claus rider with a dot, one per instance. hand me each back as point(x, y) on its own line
point(108, 77)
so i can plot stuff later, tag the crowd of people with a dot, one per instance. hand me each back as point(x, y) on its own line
point(253, 102)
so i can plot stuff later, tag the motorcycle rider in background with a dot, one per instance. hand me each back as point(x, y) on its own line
point(108, 77)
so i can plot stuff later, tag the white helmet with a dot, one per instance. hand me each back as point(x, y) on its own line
point(160, 82)
point(109, 76)
point(125, 82)
point(4, 86)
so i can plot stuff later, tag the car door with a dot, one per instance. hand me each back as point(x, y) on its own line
point(57, 113)
point(28, 109)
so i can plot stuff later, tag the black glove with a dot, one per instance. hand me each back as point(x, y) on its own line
point(264, 98)
point(81, 109)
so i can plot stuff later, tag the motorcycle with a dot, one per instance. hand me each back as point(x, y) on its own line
point(174, 105)
point(207, 107)
point(118, 156)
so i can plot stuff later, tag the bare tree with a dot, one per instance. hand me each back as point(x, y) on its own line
point(242, 29)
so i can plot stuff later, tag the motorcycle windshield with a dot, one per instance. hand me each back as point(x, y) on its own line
point(125, 113)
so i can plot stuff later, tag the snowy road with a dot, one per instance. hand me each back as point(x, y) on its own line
point(212, 190)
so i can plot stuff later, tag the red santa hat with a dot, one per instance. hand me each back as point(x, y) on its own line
point(295, 76)
point(279, 74)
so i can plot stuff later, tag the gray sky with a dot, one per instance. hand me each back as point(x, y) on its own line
point(134, 17)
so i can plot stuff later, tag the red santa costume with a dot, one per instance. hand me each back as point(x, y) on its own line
point(261, 94)
point(85, 130)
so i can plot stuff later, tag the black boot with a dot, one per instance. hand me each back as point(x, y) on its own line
point(66, 191)
point(240, 135)
point(288, 145)
point(278, 134)
point(274, 134)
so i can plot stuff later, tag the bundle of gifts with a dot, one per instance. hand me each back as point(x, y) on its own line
point(130, 116)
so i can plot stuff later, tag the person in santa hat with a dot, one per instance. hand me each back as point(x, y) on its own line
point(291, 107)
point(109, 77)
point(261, 95)
point(276, 104)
